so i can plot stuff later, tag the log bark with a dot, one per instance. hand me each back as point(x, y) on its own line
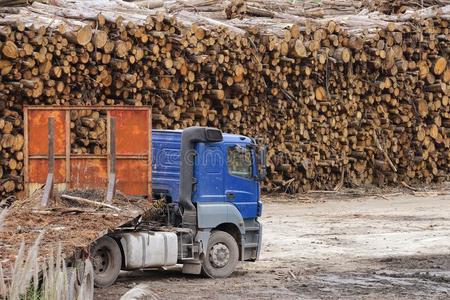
point(316, 82)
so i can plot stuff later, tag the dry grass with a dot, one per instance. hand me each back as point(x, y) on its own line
point(28, 280)
point(25, 271)
point(55, 280)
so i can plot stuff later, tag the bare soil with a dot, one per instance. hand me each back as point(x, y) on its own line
point(349, 245)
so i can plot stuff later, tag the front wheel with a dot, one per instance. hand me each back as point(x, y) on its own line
point(222, 255)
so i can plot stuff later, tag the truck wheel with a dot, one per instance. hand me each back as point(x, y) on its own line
point(222, 255)
point(106, 260)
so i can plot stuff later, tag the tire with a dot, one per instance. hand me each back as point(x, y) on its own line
point(222, 255)
point(106, 261)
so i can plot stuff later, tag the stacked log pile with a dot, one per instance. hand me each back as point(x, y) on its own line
point(11, 154)
point(341, 100)
point(88, 132)
point(308, 8)
point(400, 6)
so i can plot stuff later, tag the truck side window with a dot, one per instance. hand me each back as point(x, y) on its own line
point(239, 161)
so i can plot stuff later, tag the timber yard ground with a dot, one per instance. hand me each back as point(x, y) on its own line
point(347, 245)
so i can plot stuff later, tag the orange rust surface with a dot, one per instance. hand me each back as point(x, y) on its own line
point(38, 131)
point(131, 132)
point(132, 176)
point(38, 170)
point(88, 173)
point(133, 144)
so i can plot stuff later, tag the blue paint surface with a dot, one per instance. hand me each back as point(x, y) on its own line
point(214, 183)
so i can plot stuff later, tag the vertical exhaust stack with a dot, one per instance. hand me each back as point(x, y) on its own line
point(189, 138)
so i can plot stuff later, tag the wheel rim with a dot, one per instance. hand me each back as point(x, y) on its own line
point(219, 255)
point(101, 260)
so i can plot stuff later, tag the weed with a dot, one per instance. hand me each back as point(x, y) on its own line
point(27, 280)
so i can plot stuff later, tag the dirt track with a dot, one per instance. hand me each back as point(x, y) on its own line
point(391, 246)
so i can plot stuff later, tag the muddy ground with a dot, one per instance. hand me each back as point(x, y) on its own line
point(328, 246)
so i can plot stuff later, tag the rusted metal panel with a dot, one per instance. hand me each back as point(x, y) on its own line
point(133, 150)
point(38, 131)
point(68, 147)
point(38, 170)
point(88, 173)
point(131, 132)
point(132, 176)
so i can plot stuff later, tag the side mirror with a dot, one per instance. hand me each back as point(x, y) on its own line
point(262, 163)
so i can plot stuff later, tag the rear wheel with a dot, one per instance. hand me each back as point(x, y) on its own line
point(106, 261)
point(222, 255)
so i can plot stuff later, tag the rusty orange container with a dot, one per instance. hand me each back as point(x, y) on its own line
point(80, 171)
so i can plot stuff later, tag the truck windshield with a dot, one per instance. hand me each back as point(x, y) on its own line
point(239, 161)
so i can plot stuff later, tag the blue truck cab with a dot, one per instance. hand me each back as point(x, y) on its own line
point(212, 184)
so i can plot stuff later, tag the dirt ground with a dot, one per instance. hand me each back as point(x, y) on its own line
point(328, 246)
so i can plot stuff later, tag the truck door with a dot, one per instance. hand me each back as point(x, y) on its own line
point(209, 163)
point(241, 187)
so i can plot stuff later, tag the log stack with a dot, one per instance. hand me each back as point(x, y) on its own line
point(341, 100)
point(88, 132)
point(11, 154)
point(401, 6)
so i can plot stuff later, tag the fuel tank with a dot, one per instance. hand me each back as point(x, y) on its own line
point(149, 249)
